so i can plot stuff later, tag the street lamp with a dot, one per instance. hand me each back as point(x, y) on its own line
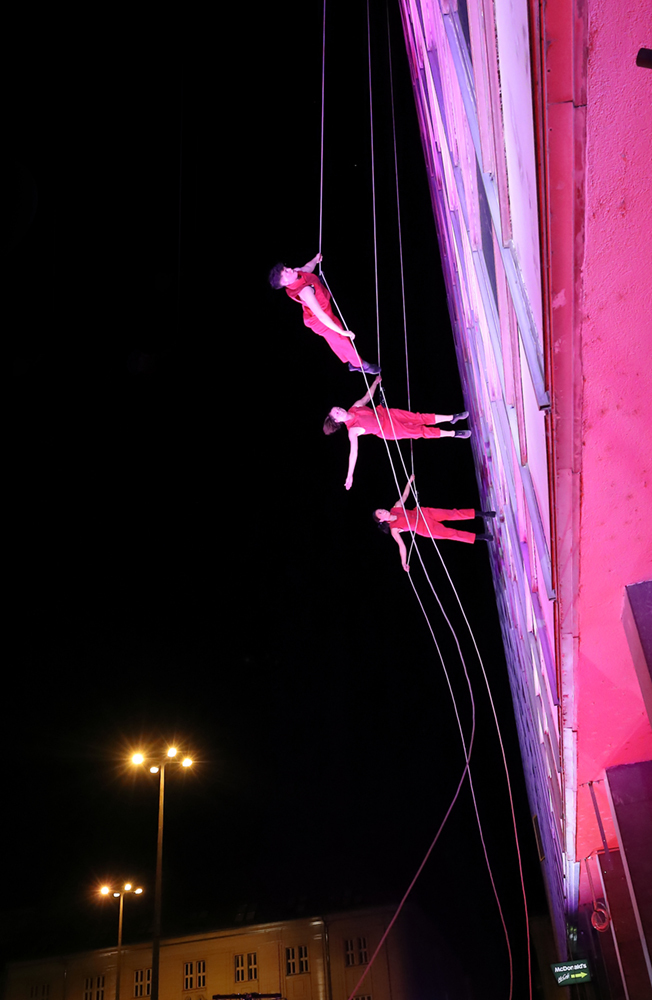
point(171, 755)
point(104, 891)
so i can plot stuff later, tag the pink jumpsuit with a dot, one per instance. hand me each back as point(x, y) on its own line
point(403, 424)
point(340, 345)
point(430, 518)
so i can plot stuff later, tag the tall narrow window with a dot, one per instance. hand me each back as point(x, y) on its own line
point(239, 972)
point(88, 988)
point(349, 952)
point(188, 976)
point(290, 961)
point(362, 951)
point(99, 988)
point(200, 970)
point(252, 966)
point(303, 958)
point(142, 982)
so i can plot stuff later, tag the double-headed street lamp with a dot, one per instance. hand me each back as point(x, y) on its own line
point(171, 755)
point(104, 891)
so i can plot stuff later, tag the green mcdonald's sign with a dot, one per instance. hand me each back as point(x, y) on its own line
point(571, 973)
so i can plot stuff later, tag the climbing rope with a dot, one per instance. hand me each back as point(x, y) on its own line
point(467, 751)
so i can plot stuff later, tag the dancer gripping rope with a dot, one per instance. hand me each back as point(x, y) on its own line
point(392, 424)
point(306, 288)
point(426, 521)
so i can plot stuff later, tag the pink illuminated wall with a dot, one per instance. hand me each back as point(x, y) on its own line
point(616, 334)
point(537, 133)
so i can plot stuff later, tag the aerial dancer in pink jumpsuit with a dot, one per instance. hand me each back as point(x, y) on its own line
point(393, 424)
point(306, 288)
point(426, 521)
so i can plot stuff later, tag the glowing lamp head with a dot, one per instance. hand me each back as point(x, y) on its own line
point(137, 758)
point(128, 887)
point(153, 770)
point(172, 752)
point(105, 890)
point(138, 891)
point(115, 895)
point(186, 762)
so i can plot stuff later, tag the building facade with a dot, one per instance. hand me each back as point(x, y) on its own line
point(316, 958)
point(536, 131)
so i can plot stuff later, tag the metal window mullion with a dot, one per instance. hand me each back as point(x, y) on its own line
point(491, 313)
point(527, 325)
point(532, 506)
point(492, 322)
point(537, 529)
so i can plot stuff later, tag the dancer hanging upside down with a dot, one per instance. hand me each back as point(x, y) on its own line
point(394, 425)
point(306, 288)
point(426, 521)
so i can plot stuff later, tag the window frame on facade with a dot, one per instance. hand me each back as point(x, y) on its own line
point(188, 976)
point(356, 951)
point(296, 960)
point(252, 966)
point(194, 975)
point(142, 982)
point(238, 969)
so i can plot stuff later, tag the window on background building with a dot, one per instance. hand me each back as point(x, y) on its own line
point(238, 968)
point(40, 992)
point(88, 988)
point(355, 951)
point(252, 965)
point(99, 988)
point(188, 976)
point(194, 975)
point(295, 965)
point(142, 982)
point(368, 997)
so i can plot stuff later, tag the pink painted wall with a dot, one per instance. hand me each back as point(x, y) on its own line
point(616, 329)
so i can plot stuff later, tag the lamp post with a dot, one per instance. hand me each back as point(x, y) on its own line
point(104, 891)
point(171, 754)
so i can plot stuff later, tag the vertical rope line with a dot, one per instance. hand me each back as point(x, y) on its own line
point(500, 910)
point(400, 232)
point(467, 757)
point(373, 178)
point(415, 494)
point(505, 767)
point(323, 94)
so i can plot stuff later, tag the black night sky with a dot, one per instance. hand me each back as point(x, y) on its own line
point(184, 563)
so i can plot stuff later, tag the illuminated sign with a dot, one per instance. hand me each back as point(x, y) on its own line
point(571, 973)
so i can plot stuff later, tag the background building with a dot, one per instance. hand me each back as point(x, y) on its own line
point(535, 123)
point(316, 958)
